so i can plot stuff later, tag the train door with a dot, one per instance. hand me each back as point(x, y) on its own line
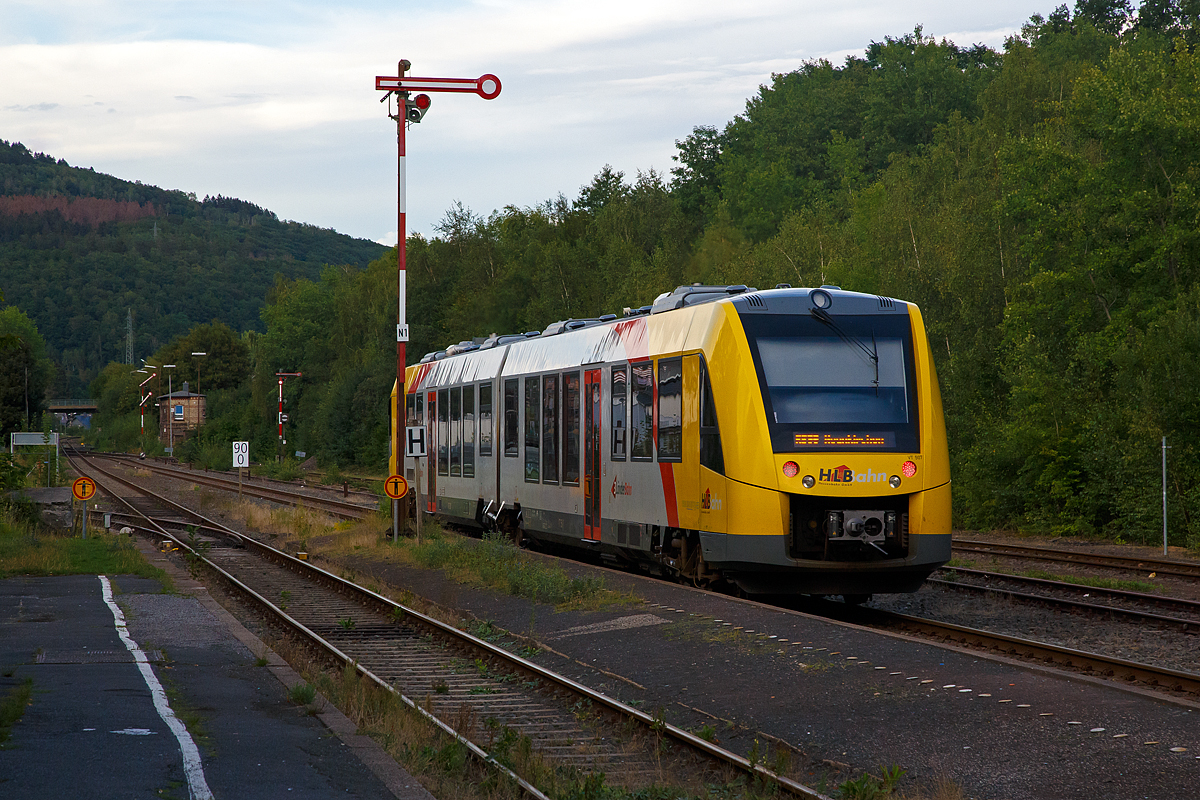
point(591, 455)
point(687, 472)
point(431, 462)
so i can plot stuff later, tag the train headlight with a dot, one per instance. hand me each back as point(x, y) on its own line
point(809, 481)
point(820, 298)
point(894, 481)
point(791, 469)
point(908, 468)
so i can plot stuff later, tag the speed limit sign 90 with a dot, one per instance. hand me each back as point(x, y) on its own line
point(241, 454)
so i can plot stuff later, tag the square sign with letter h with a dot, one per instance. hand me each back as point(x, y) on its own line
point(414, 442)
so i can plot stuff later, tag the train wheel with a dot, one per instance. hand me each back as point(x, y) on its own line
point(855, 599)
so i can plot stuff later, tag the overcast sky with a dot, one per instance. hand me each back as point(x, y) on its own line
point(274, 102)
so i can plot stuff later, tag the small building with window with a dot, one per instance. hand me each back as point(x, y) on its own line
point(179, 413)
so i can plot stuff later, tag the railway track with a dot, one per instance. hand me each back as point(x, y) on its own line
point(1093, 664)
point(1141, 606)
point(439, 671)
point(342, 509)
point(1161, 566)
point(1185, 616)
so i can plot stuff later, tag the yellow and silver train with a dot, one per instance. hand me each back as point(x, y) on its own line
point(786, 441)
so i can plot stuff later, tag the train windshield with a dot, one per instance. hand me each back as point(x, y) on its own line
point(836, 382)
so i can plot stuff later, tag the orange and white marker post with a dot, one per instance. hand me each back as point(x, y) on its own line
point(84, 489)
point(396, 487)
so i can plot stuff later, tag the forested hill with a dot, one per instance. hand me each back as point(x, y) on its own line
point(80, 249)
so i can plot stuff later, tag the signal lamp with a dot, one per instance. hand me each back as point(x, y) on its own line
point(415, 109)
point(908, 468)
point(791, 469)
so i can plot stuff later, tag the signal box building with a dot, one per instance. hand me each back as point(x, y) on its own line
point(179, 413)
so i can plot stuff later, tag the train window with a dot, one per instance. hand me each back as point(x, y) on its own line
point(711, 455)
point(456, 431)
point(670, 409)
point(410, 410)
point(836, 382)
point(443, 439)
point(641, 410)
point(570, 407)
point(619, 399)
point(550, 429)
point(485, 419)
point(512, 419)
point(419, 408)
point(468, 446)
point(532, 432)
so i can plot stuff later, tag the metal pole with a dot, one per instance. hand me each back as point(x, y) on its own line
point(395, 521)
point(401, 259)
point(1164, 471)
point(279, 455)
point(85, 516)
point(171, 415)
point(420, 496)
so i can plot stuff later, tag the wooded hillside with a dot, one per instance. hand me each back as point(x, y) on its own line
point(79, 250)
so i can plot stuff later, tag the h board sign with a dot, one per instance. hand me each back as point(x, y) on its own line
point(241, 454)
point(414, 441)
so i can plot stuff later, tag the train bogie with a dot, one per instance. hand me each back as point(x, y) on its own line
point(786, 441)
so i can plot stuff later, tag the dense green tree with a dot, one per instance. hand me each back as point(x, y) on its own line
point(25, 372)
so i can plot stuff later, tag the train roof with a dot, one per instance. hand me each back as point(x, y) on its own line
point(783, 299)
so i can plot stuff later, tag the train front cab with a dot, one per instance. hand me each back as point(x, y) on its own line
point(802, 512)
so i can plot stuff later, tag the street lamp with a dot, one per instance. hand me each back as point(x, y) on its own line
point(170, 411)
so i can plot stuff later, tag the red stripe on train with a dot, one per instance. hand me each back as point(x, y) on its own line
point(668, 482)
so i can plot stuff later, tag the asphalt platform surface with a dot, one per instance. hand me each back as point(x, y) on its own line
point(848, 698)
point(91, 729)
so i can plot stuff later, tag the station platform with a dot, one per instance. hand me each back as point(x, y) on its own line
point(93, 728)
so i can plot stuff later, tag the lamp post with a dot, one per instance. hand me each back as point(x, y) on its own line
point(170, 412)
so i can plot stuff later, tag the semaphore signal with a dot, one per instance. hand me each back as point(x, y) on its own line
point(413, 109)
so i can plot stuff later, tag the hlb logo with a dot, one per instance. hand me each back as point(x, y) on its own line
point(710, 503)
point(842, 474)
point(621, 488)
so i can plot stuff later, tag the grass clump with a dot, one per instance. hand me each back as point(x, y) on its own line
point(495, 562)
point(286, 470)
point(294, 522)
point(27, 550)
point(12, 707)
point(1099, 583)
point(302, 694)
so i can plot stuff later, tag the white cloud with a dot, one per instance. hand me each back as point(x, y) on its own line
point(274, 102)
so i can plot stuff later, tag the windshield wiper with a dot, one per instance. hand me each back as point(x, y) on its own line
point(871, 352)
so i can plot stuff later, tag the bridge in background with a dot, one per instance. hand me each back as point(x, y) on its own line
point(72, 406)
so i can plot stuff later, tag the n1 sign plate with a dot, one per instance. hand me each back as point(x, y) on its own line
point(241, 454)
